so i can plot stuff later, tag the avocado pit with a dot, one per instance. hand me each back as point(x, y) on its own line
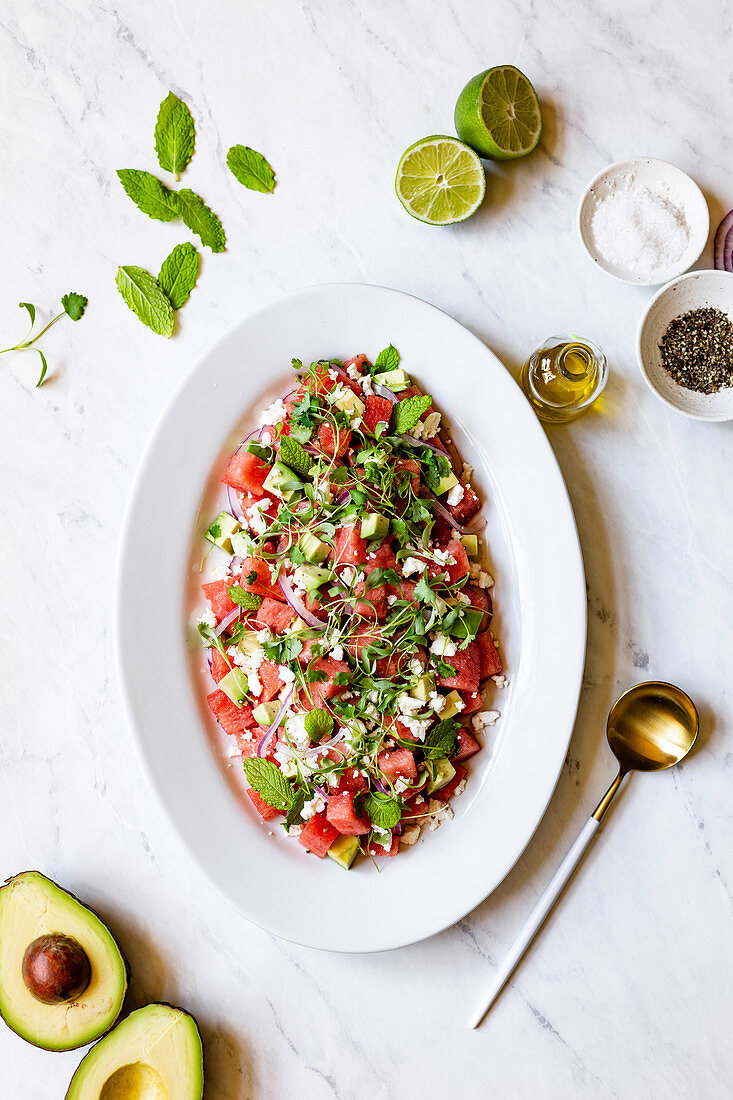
point(56, 969)
point(135, 1081)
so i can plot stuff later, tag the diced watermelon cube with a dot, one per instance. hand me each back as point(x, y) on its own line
point(269, 677)
point(490, 659)
point(349, 547)
point(352, 781)
point(358, 361)
point(377, 849)
point(217, 593)
point(414, 808)
point(472, 701)
point(363, 636)
point(457, 568)
point(413, 467)
point(263, 808)
point(467, 507)
point(246, 472)
point(467, 745)
point(467, 663)
point(446, 792)
point(405, 590)
point(333, 443)
point(342, 815)
point(377, 410)
point(481, 600)
point(321, 690)
point(219, 665)
point(231, 718)
point(248, 742)
point(261, 584)
point(398, 763)
point(318, 835)
point(278, 616)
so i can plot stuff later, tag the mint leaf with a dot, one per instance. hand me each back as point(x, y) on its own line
point(408, 412)
point(441, 739)
point(145, 298)
point(149, 194)
point(295, 813)
point(175, 135)
point(295, 457)
point(266, 778)
point(318, 724)
point(74, 305)
point(388, 359)
point(179, 273)
point(383, 811)
point(200, 219)
point(250, 168)
point(248, 600)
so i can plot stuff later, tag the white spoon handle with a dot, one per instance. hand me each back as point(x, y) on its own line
point(537, 916)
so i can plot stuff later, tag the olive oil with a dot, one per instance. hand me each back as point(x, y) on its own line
point(563, 377)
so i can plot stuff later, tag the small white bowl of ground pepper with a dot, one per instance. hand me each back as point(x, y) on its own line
point(684, 344)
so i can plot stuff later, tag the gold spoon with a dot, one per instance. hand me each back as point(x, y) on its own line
point(650, 727)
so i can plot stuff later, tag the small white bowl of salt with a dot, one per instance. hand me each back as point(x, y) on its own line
point(643, 221)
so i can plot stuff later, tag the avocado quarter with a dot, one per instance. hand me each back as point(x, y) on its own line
point(156, 1053)
point(34, 911)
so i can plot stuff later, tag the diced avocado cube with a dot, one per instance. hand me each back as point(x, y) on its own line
point(470, 545)
point(290, 494)
point(249, 642)
point(314, 576)
point(394, 380)
point(441, 772)
point(312, 548)
point(374, 526)
point(281, 479)
point(453, 705)
point(266, 713)
point(265, 453)
point(344, 851)
point(444, 485)
point(234, 684)
point(242, 544)
point(469, 625)
point(422, 687)
point(350, 404)
point(221, 530)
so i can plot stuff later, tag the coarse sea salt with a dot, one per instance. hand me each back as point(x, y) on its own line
point(640, 231)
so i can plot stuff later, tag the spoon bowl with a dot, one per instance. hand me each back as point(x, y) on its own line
point(652, 726)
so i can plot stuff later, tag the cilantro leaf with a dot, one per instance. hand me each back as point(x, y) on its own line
point(150, 195)
point(200, 219)
point(384, 812)
point(318, 724)
point(179, 273)
point(293, 455)
point(250, 168)
point(74, 305)
point(250, 601)
point(175, 135)
point(295, 813)
point(143, 295)
point(266, 778)
point(44, 367)
point(441, 739)
point(408, 412)
point(282, 650)
point(388, 359)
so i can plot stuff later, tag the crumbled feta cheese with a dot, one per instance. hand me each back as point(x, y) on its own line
point(484, 718)
point(430, 425)
point(287, 766)
point(390, 600)
point(417, 727)
point(295, 729)
point(406, 704)
point(265, 439)
point(401, 785)
point(484, 580)
point(295, 830)
point(208, 618)
point(455, 496)
point(415, 667)
point(382, 841)
point(439, 812)
point(348, 575)
point(356, 422)
point(464, 599)
point(274, 414)
point(460, 788)
point(443, 557)
point(255, 518)
point(286, 674)
point(353, 372)
point(443, 646)
point(337, 653)
point(332, 374)
point(233, 750)
point(436, 701)
point(315, 805)
point(500, 681)
point(299, 578)
point(338, 393)
point(366, 385)
point(410, 836)
point(413, 565)
point(467, 472)
point(220, 573)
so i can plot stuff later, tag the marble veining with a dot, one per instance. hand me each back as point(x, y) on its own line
point(628, 993)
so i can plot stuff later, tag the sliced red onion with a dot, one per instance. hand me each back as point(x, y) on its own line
point(721, 236)
point(236, 563)
point(380, 786)
point(262, 747)
point(326, 745)
point(728, 251)
point(227, 622)
point(342, 498)
point(443, 511)
point(397, 831)
point(413, 442)
point(310, 449)
point(383, 391)
point(234, 506)
point(342, 374)
point(297, 604)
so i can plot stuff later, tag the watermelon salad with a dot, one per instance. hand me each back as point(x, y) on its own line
point(349, 621)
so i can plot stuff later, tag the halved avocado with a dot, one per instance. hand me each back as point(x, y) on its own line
point(155, 1053)
point(63, 977)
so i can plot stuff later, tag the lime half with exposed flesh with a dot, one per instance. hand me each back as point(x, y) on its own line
point(498, 114)
point(440, 180)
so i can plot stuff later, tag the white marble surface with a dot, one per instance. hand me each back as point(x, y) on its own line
point(629, 991)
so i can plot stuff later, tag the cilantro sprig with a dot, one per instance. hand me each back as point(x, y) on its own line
point(73, 307)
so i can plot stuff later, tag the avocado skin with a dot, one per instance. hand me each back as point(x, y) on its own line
point(126, 969)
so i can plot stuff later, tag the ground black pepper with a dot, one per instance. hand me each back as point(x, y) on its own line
point(697, 350)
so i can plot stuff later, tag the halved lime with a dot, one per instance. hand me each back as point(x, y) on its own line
point(498, 114)
point(440, 180)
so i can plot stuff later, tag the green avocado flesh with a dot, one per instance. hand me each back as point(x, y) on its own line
point(155, 1054)
point(32, 906)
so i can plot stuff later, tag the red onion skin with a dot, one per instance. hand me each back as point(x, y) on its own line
point(721, 236)
point(227, 621)
point(384, 391)
point(234, 506)
point(443, 511)
point(298, 606)
point(262, 747)
point(728, 251)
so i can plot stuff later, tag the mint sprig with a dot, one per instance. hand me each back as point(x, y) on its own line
point(384, 812)
point(73, 307)
point(295, 457)
point(266, 778)
point(149, 194)
point(251, 168)
point(388, 359)
point(179, 273)
point(408, 412)
point(250, 601)
point(318, 724)
point(440, 741)
point(295, 813)
point(175, 135)
point(145, 298)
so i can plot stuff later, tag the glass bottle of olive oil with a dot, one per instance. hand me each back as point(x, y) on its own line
point(563, 377)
